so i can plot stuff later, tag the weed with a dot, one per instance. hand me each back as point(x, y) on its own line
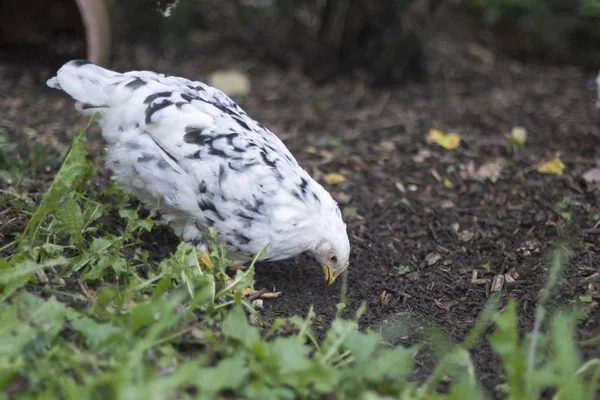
point(86, 315)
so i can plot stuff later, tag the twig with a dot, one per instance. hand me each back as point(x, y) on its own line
point(257, 295)
point(592, 231)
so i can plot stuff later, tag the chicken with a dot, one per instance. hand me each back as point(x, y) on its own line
point(188, 150)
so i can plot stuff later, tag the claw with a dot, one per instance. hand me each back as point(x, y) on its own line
point(227, 277)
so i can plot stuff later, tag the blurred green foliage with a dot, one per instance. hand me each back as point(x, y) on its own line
point(170, 329)
point(494, 11)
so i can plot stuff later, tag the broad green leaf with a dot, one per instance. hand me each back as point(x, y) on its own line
point(134, 222)
point(141, 316)
point(227, 374)
point(74, 171)
point(505, 342)
point(46, 315)
point(97, 335)
point(99, 252)
point(236, 326)
point(325, 377)
point(14, 334)
point(361, 345)
point(27, 318)
point(394, 364)
point(15, 276)
point(70, 216)
point(291, 355)
point(566, 358)
point(104, 262)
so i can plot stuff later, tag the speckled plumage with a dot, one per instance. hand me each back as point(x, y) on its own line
point(190, 151)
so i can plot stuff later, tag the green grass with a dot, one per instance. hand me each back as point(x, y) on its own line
point(86, 315)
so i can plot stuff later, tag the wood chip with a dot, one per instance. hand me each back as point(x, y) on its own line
point(591, 277)
point(87, 292)
point(477, 281)
point(385, 298)
point(413, 276)
point(497, 283)
point(441, 306)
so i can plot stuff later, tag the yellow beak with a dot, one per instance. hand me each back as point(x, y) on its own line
point(329, 275)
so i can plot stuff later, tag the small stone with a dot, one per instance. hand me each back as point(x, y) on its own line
point(197, 334)
point(41, 276)
point(432, 258)
point(258, 304)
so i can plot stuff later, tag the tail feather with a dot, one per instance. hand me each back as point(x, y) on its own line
point(87, 83)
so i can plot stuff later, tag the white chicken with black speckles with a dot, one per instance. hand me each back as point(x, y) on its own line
point(190, 151)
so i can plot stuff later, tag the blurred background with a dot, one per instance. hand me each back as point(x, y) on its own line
point(382, 42)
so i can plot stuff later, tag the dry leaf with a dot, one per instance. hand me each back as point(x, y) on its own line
point(334, 178)
point(491, 170)
point(551, 167)
point(448, 141)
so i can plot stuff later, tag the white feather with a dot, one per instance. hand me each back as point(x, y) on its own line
point(187, 149)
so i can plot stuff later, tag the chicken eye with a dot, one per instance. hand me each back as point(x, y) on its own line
point(333, 259)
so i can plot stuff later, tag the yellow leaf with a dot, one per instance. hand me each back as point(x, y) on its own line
point(448, 142)
point(551, 167)
point(334, 178)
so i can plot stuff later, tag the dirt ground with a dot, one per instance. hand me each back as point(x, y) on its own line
point(421, 222)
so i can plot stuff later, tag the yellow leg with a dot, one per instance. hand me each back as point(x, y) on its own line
point(205, 259)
